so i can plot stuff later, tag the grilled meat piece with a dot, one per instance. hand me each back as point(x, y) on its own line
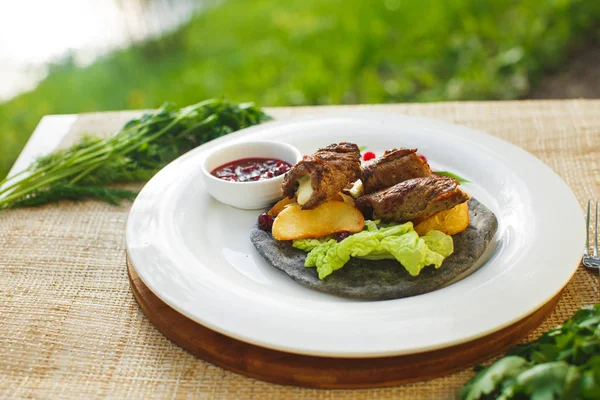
point(393, 167)
point(412, 199)
point(319, 177)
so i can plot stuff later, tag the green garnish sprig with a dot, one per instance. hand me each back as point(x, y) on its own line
point(452, 175)
point(563, 363)
point(134, 153)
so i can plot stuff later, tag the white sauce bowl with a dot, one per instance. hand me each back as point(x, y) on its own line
point(247, 195)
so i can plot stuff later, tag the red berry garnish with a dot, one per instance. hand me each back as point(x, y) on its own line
point(369, 155)
point(265, 222)
point(422, 157)
point(342, 235)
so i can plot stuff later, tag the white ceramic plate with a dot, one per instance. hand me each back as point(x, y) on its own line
point(194, 253)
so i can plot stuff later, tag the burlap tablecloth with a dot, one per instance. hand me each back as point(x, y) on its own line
point(70, 327)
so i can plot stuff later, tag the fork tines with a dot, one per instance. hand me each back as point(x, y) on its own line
point(591, 261)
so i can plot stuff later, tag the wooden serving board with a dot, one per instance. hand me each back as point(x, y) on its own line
point(324, 372)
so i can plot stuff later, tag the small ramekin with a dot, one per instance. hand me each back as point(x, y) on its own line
point(247, 195)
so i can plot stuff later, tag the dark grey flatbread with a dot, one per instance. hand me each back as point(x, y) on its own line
point(383, 279)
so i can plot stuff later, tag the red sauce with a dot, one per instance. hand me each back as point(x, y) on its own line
point(251, 169)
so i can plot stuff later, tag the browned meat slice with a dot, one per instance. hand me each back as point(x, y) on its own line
point(319, 177)
point(412, 199)
point(393, 167)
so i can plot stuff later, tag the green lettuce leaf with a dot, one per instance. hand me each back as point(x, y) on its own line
point(307, 244)
point(439, 242)
point(393, 241)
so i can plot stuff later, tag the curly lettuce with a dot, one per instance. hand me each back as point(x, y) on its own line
point(377, 242)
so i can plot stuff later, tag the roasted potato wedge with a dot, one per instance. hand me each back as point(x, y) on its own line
point(450, 222)
point(345, 198)
point(280, 205)
point(326, 219)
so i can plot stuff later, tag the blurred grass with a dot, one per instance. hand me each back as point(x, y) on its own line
point(319, 52)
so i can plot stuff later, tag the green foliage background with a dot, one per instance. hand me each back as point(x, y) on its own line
point(297, 52)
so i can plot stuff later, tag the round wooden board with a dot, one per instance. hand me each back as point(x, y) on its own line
point(324, 372)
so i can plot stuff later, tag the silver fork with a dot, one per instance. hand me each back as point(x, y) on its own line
point(591, 261)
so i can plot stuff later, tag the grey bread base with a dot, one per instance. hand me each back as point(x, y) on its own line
point(383, 279)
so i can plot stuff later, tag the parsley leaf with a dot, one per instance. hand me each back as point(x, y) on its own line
point(564, 363)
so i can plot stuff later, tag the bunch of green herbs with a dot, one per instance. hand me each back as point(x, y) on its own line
point(564, 363)
point(134, 153)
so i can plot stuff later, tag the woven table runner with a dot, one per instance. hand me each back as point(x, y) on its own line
point(70, 327)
